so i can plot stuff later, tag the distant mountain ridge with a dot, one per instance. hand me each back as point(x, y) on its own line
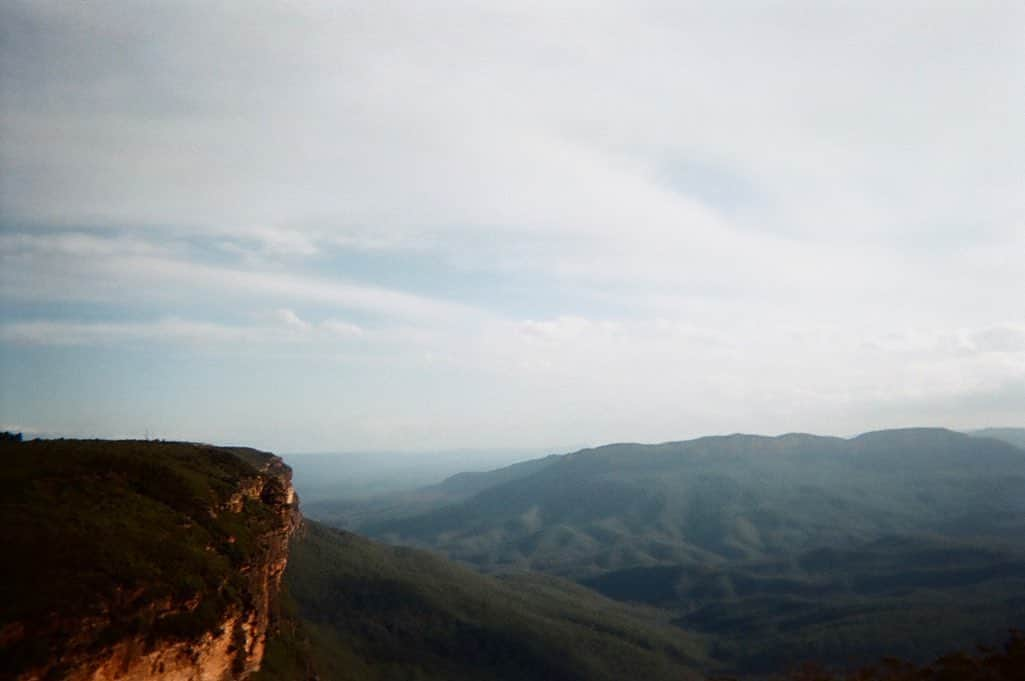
point(457, 488)
point(766, 543)
point(652, 496)
point(1014, 436)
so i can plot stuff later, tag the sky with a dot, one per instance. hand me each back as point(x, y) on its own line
point(409, 226)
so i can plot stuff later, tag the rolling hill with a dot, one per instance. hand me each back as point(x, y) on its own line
point(907, 542)
point(1014, 436)
point(367, 611)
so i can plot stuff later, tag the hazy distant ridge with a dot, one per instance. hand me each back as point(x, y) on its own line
point(765, 543)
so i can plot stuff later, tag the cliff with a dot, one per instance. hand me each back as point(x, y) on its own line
point(140, 560)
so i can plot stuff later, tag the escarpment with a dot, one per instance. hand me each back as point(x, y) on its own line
point(140, 560)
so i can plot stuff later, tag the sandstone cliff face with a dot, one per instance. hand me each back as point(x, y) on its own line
point(214, 634)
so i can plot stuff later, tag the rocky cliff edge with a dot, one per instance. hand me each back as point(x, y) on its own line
point(140, 560)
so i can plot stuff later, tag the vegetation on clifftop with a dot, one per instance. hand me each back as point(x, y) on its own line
point(130, 537)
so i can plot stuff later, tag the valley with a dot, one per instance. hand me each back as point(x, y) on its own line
point(905, 542)
point(740, 557)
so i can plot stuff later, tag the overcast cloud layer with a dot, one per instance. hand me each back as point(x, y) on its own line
point(420, 225)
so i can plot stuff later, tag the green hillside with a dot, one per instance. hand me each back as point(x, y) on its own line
point(367, 611)
point(729, 498)
point(904, 542)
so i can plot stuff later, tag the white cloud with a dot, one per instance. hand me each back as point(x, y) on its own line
point(536, 139)
point(723, 211)
point(85, 333)
point(78, 244)
point(1006, 338)
point(39, 272)
point(600, 379)
point(290, 319)
point(342, 329)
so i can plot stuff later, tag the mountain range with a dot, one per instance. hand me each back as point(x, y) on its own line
point(902, 542)
point(737, 556)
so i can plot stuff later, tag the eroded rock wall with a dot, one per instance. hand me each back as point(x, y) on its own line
point(231, 650)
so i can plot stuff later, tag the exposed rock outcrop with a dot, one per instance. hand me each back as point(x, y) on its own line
point(206, 627)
